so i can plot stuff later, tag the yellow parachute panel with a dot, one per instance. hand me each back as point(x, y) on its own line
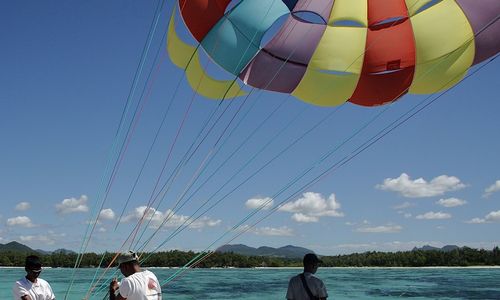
point(444, 47)
point(186, 56)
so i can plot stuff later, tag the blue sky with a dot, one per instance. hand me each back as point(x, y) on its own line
point(66, 70)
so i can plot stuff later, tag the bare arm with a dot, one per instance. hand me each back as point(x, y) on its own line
point(113, 286)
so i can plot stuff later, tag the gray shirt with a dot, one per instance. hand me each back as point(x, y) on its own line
point(297, 291)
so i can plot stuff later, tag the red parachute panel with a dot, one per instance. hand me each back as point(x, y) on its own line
point(201, 15)
point(389, 61)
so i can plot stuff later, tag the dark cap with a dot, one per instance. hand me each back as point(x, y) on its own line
point(311, 258)
point(33, 263)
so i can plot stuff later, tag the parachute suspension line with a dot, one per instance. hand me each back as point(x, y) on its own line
point(191, 219)
point(388, 129)
point(342, 162)
point(153, 198)
point(185, 117)
point(374, 139)
point(281, 68)
point(84, 244)
point(145, 97)
point(225, 94)
point(220, 166)
point(158, 132)
point(195, 175)
point(264, 204)
point(166, 219)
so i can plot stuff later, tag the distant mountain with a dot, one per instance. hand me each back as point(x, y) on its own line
point(447, 248)
point(284, 252)
point(18, 247)
point(15, 246)
point(63, 251)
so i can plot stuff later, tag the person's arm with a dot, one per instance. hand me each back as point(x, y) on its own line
point(52, 296)
point(289, 292)
point(19, 292)
point(113, 286)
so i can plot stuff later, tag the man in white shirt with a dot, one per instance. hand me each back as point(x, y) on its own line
point(306, 286)
point(138, 284)
point(31, 287)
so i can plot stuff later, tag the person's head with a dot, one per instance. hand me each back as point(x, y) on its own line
point(33, 267)
point(128, 263)
point(311, 263)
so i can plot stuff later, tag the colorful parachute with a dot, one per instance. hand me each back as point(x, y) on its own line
point(368, 52)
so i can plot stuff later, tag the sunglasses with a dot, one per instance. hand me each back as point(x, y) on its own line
point(35, 271)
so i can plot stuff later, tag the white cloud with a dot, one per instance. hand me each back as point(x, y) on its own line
point(22, 206)
point(433, 216)
point(492, 217)
point(107, 214)
point(476, 221)
point(380, 229)
point(263, 203)
point(451, 202)
point(420, 188)
point(312, 206)
point(73, 205)
point(403, 205)
point(273, 231)
point(21, 221)
point(266, 231)
point(302, 218)
point(174, 220)
point(492, 189)
point(48, 239)
point(407, 215)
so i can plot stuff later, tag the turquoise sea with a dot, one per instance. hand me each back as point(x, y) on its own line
point(342, 283)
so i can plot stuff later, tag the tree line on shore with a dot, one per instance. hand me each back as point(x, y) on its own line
point(417, 258)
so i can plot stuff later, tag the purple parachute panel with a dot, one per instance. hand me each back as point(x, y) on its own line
point(282, 63)
point(322, 8)
point(483, 16)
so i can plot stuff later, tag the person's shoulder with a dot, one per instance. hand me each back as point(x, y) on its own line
point(149, 273)
point(42, 281)
point(315, 278)
point(295, 277)
point(22, 282)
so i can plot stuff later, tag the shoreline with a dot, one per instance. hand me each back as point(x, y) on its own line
point(294, 268)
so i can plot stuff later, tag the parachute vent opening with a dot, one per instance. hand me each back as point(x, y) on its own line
point(273, 30)
point(334, 72)
point(290, 4)
point(428, 5)
point(347, 23)
point(232, 5)
point(388, 22)
point(309, 17)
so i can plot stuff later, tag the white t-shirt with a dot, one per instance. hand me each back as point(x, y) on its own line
point(39, 290)
point(297, 291)
point(140, 286)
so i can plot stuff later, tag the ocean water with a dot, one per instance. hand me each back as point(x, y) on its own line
point(253, 284)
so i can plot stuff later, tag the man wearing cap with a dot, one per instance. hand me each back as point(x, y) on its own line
point(138, 284)
point(306, 286)
point(31, 287)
